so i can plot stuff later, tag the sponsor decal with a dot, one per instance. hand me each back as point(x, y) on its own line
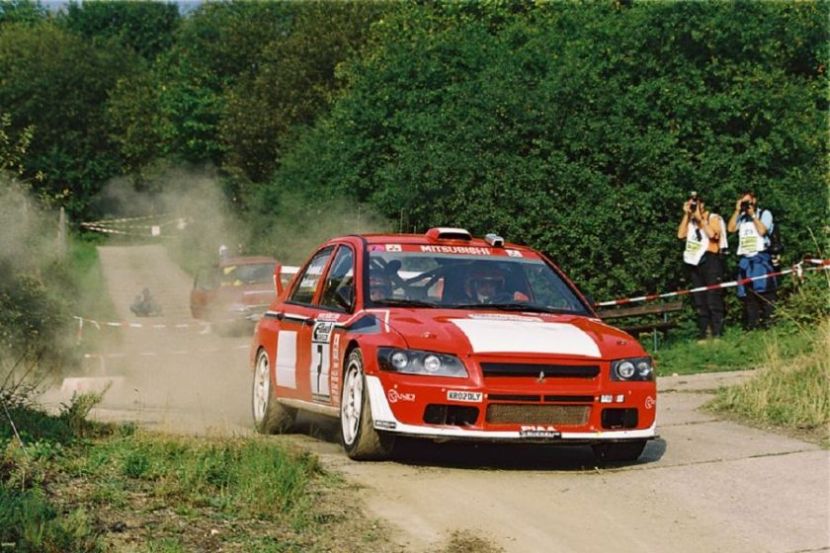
point(393, 248)
point(386, 425)
point(395, 396)
point(650, 402)
point(503, 317)
point(330, 317)
point(461, 395)
point(514, 253)
point(468, 250)
point(539, 431)
point(322, 332)
point(334, 371)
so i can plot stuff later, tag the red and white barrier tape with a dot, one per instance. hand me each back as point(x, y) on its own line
point(798, 268)
point(125, 324)
point(128, 219)
point(122, 355)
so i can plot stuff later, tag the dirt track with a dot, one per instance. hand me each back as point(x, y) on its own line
point(707, 485)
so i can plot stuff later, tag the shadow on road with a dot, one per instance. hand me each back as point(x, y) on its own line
point(483, 456)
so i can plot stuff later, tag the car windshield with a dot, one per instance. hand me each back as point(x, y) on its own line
point(249, 273)
point(400, 278)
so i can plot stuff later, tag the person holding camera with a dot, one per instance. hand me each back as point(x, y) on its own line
point(705, 236)
point(754, 227)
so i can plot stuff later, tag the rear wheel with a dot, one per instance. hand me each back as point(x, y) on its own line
point(270, 417)
point(357, 432)
point(619, 452)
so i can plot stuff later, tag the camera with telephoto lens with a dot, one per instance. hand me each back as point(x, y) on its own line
point(693, 201)
point(745, 206)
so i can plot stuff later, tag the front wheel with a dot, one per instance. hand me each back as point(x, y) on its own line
point(357, 432)
point(270, 417)
point(619, 452)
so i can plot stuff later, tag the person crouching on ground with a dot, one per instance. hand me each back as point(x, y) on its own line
point(705, 236)
point(754, 260)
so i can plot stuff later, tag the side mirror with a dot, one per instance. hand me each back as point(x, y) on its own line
point(277, 279)
point(344, 296)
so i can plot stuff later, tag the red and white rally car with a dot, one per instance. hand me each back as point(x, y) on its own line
point(446, 337)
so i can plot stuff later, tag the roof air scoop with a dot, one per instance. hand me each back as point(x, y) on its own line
point(494, 240)
point(447, 233)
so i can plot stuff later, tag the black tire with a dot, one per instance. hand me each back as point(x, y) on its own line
point(270, 417)
point(357, 432)
point(619, 452)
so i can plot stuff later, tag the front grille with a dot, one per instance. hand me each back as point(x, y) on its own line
point(506, 413)
point(513, 397)
point(534, 370)
point(569, 399)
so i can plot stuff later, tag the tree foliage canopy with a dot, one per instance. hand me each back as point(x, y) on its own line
point(581, 128)
point(576, 127)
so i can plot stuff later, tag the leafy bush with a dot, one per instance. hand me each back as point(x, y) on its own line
point(581, 128)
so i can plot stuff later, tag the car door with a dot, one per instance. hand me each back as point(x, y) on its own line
point(294, 331)
point(337, 301)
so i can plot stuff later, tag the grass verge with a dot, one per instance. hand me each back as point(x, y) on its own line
point(790, 391)
point(82, 487)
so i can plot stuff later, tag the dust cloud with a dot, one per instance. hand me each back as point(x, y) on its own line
point(34, 339)
point(29, 237)
point(173, 372)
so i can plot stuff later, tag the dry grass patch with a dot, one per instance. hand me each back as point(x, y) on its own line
point(790, 391)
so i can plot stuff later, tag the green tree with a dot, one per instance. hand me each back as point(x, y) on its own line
point(292, 83)
point(581, 128)
point(147, 28)
point(56, 83)
point(21, 11)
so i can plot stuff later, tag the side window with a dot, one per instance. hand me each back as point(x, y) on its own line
point(307, 284)
point(340, 291)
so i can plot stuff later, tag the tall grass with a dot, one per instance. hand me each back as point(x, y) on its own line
point(791, 391)
point(255, 478)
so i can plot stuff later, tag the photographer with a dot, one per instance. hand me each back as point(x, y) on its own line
point(705, 237)
point(754, 227)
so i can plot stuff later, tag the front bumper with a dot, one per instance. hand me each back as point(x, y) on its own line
point(411, 402)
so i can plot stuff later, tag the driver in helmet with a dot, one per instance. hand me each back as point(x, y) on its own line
point(380, 286)
point(485, 284)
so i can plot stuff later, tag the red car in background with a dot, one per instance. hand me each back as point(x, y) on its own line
point(234, 289)
point(448, 337)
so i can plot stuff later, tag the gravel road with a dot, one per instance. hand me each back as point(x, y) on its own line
point(706, 485)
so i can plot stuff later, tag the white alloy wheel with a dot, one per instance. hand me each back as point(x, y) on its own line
point(262, 387)
point(270, 417)
point(357, 431)
point(351, 404)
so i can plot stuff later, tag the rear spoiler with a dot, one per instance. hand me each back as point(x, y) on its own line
point(283, 272)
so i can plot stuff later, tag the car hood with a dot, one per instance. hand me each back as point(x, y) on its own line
point(499, 333)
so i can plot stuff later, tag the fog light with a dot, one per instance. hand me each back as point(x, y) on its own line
point(399, 360)
point(432, 363)
point(606, 399)
point(620, 398)
point(626, 369)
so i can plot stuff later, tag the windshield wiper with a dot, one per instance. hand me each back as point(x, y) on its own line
point(404, 303)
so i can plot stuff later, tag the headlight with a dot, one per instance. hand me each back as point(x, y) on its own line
point(409, 361)
point(639, 368)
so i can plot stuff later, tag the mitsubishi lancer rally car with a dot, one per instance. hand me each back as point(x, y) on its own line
point(448, 337)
